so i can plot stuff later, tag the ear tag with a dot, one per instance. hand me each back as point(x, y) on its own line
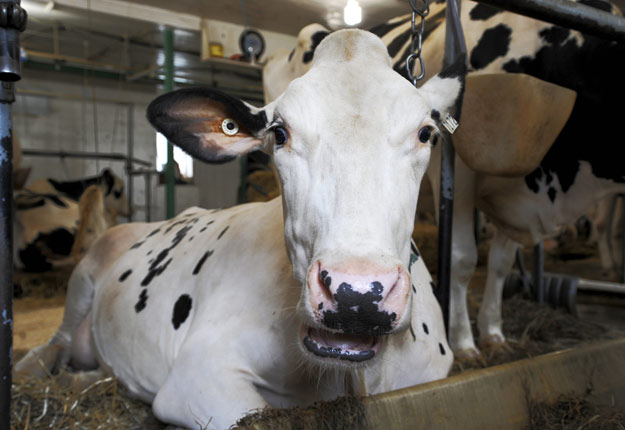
point(229, 127)
point(450, 124)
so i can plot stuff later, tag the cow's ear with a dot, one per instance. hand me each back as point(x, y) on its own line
point(208, 124)
point(445, 90)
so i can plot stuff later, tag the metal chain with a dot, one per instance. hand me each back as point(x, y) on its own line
point(416, 41)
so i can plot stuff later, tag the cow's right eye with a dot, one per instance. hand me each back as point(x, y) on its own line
point(281, 136)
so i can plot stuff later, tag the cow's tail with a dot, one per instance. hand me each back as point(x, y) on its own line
point(55, 354)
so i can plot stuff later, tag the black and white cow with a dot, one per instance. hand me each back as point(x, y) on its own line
point(580, 168)
point(214, 313)
point(47, 218)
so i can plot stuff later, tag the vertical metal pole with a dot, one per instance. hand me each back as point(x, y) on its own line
point(12, 21)
point(454, 46)
point(130, 146)
point(539, 253)
point(6, 254)
point(170, 196)
point(148, 197)
point(622, 196)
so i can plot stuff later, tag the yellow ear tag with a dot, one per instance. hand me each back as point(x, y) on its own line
point(229, 127)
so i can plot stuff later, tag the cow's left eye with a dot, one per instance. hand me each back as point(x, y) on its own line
point(281, 136)
point(425, 133)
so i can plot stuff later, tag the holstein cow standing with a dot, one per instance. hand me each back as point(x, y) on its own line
point(303, 298)
point(48, 215)
point(580, 168)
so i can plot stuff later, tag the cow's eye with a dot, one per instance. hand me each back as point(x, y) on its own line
point(281, 136)
point(425, 133)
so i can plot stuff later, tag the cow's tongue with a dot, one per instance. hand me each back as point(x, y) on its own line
point(342, 341)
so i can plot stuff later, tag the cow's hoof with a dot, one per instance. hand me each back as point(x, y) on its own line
point(494, 344)
point(469, 357)
point(40, 361)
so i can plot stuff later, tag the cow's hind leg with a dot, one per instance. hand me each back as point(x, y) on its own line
point(500, 261)
point(48, 358)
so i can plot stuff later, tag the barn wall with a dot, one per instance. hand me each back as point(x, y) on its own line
point(55, 124)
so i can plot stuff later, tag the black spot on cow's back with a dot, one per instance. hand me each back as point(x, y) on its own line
point(125, 275)
point(223, 232)
point(182, 308)
point(397, 43)
point(141, 303)
point(482, 12)
point(383, 29)
point(153, 232)
point(493, 44)
point(201, 261)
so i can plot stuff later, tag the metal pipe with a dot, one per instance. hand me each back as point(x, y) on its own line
point(454, 46)
point(170, 193)
point(68, 96)
point(83, 154)
point(130, 149)
point(603, 286)
point(568, 14)
point(538, 271)
point(12, 22)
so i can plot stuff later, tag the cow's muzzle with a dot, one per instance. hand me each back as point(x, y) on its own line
point(358, 298)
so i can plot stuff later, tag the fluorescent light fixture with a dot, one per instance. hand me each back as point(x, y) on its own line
point(352, 14)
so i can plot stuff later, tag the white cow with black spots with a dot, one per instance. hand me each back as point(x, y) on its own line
point(304, 298)
point(511, 57)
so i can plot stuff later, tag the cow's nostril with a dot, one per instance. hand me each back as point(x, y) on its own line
point(325, 279)
point(376, 288)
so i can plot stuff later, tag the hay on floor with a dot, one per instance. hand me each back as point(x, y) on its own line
point(574, 413)
point(56, 402)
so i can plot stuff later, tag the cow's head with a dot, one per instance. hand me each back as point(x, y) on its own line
point(115, 199)
point(351, 140)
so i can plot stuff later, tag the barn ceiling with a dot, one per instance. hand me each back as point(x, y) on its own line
point(82, 35)
point(78, 35)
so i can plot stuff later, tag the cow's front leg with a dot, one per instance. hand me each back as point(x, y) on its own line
point(463, 257)
point(500, 262)
point(198, 395)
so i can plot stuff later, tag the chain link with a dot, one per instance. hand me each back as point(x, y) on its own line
point(416, 42)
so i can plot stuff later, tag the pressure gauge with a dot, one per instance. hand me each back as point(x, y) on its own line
point(252, 44)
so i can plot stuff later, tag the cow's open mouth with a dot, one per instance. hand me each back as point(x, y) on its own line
point(348, 347)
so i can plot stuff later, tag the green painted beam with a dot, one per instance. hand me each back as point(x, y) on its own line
point(170, 192)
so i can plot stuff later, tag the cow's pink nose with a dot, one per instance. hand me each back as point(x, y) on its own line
point(358, 297)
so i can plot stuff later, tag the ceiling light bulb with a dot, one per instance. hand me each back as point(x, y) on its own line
point(49, 6)
point(352, 14)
